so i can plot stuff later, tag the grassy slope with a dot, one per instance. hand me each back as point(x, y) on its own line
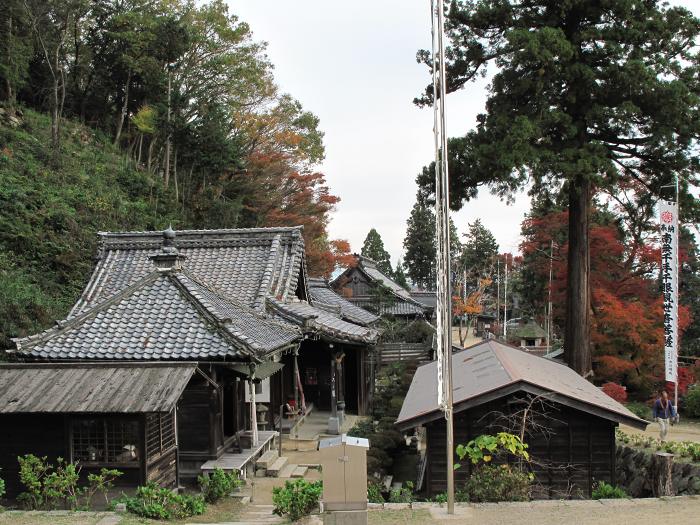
point(51, 210)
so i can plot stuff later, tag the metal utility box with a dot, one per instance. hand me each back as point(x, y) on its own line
point(344, 465)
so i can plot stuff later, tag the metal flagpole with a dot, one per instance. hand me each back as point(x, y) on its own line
point(505, 300)
point(444, 303)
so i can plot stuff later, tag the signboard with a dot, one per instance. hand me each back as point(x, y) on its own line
point(668, 219)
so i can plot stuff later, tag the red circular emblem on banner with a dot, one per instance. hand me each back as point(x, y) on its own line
point(667, 217)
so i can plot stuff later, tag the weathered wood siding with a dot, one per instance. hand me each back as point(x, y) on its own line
point(397, 352)
point(577, 449)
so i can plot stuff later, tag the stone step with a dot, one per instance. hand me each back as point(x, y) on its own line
point(299, 472)
point(287, 471)
point(274, 469)
point(267, 459)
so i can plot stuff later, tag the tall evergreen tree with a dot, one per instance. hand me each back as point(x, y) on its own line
point(689, 282)
point(400, 275)
point(419, 245)
point(373, 248)
point(587, 94)
point(479, 251)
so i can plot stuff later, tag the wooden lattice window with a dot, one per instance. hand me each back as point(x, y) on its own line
point(160, 433)
point(104, 440)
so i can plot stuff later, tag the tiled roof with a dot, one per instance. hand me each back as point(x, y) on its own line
point(244, 264)
point(322, 321)
point(92, 387)
point(397, 307)
point(162, 316)
point(322, 294)
point(491, 366)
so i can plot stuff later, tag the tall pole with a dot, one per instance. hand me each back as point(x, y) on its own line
point(505, 300)
point(678, 287)
point(498, 294)
point(549, 293)
point(442, 199)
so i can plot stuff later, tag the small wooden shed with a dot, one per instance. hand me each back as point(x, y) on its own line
point(572, 435)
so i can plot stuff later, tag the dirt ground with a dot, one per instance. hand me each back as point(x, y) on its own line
point(683, 431)
point(619, 512)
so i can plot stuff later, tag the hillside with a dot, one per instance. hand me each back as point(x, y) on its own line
point(51, 210)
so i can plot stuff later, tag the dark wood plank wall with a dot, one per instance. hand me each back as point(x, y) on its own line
point(357, 283)
point(577, 450)
point(20, 434)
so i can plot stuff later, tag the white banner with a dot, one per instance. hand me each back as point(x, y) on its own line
point(668, 219)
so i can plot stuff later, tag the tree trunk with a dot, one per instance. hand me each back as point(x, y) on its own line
point(577, 351)
point(122, 113)
point(8, 83)
point(149, 162)
point(177, 194)
point(662, 474)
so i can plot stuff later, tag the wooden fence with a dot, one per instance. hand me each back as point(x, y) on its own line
point(396, 352)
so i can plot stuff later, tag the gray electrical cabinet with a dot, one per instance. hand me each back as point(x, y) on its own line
point(344, 467)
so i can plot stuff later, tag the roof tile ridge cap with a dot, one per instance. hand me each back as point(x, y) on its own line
point(158, 233)
point(103, 254)
point(64, 325)
point(263, 316)
point(211, 315)
point(504, 360)
point(298, 271)
point(266, 280)
point(279, 307)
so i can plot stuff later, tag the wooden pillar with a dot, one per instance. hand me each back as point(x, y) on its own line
point(253, 413)
point(334, 399)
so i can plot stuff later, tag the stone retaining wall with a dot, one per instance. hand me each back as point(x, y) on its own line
point(632, 467)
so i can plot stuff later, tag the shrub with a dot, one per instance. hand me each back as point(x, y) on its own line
point(374, 493)
point(494, 483)
point(2, 487)
point(52, 487)
point(218, 484)
point(298, 498)
point(602, 490)
point(485, 447)
point(617, 392)
point(641, 410)
point(402, 495)
point(154, 502)
point(692, 401)
point(442, 498)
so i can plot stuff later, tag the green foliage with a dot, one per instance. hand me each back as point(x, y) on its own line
point(441, 498)
point(2, 487)
point(494, 483)
point(486, 447)
point(218, 484)
point(684, 449)
point(374, 492)
point(298, 498)
point(692, 401)
point(603, 490)
point(400, 276)
point(639, 409)
point(419, 245)
point(57, 486)
point(154, 502)
point(398, 330)
point(479, 251)
point(373, 248)
point(403, 494)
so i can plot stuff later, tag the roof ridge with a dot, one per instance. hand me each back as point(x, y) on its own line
point(65, 324)
point(266, 279)
point(159, 233)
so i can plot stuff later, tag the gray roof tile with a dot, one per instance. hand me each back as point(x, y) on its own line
point(322, 294)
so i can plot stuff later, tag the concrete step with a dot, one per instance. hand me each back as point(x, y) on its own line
point(274, 469)
point(287, 471)
point(267, 459)
point(299, 472)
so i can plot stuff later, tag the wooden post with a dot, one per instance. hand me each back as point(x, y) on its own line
point(662, 474)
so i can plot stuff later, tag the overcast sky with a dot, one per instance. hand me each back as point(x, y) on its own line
point(353, 64)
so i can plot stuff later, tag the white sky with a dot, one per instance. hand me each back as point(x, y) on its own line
point(353, 64)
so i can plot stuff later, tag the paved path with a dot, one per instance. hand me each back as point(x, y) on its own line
point(254, 514)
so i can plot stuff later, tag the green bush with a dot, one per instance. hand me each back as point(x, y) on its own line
point(374, 493)
point(402, 495)
point(158, 503)
point(494, 483)
point(51, 487)
point(2, 487)
point(641, 410)
point(692, 401)
point(602, 490)
point(298, 498)
point(218, 484)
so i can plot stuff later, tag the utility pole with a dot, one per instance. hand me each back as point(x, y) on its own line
point(505, 301)
point(442, 200)
point(549, 298)
point(498, 294)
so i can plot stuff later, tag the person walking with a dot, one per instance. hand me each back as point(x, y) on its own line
point(664, 412)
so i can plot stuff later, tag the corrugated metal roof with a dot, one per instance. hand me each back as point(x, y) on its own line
point(114, 388)
point(491, 366)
